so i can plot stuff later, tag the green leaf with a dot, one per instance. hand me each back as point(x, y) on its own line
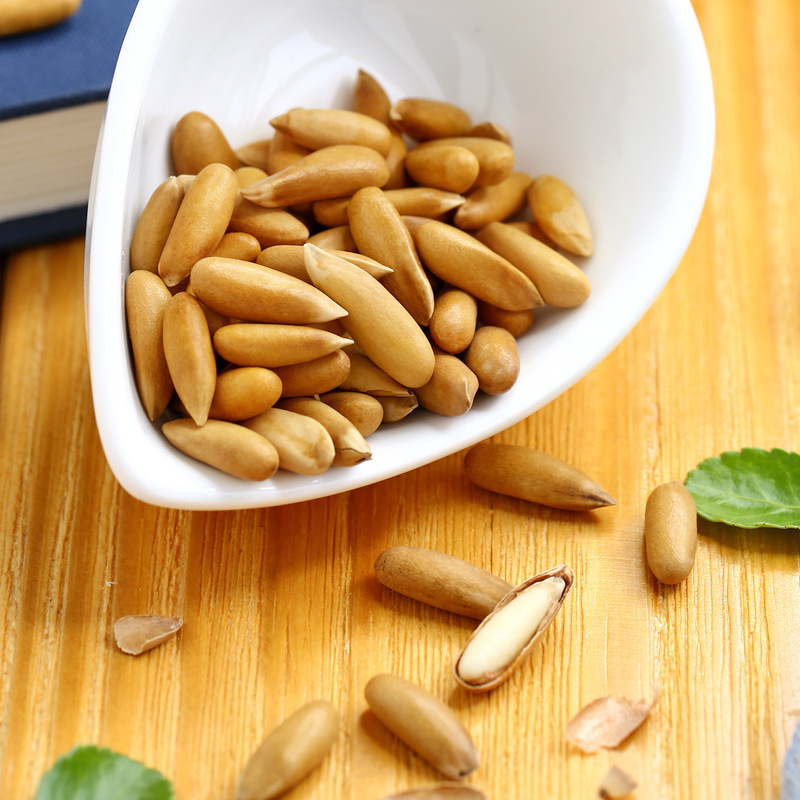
point(96, 773)
point(751, 488)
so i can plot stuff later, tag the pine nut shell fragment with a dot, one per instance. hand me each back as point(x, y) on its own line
point(225, 446)
point(146, 298)
point(303, 444)
point(559, 213)
point(377, 321)
point(423, 722)
point(462, 261)
point(533, 475)
point(154, 224)
point(333, 171)
point(254, 293)
point(491, 680)
point(198, 141)
point(440, 580)
point(137, 633)
point(670, 532)
point(190, 355)
point(290, 752)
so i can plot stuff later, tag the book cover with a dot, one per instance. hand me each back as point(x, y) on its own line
point(53, 85)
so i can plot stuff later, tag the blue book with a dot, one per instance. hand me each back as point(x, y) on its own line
point(53, 86)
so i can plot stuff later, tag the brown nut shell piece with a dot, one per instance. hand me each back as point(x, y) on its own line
point(225, 446)
point(146, 298)
point(321, 375)
point(493, 357)
point(495, 158)
point(363, 410)
point(376, 320)
point(440, 580)
point(138, 633)
point(452, 325)
point(198, 141)
point(246, 291)
point(449, 168)
point(272, 345)
point(426, 724)
point(316, 128)
point(670, 532)
point(493, 203)
point(330, 172)
point(498, 617)
point(244, 392)
point(451, 389)
point(351, 448)
point(559, 213)
point(290, 752)
point(379, 232)
point(559, 281)
point(532, 475)
point(303, 444)
point(190, 355)
point(154, 224)
point(461, 260)
point(200, 223)
point(607, 722)
point(423, 118)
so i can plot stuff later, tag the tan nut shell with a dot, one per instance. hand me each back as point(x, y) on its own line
point(146, 297)
point(363, 410)
point(440, 580)
point(272, 345)
point(378, 323)
point(225, 446)
point(351, 448)
point(451, 389)
point(316, 128)
point(670, 532)
point(515, 322)
point(290, 260)
point(493, 203)
point(303, 444)
point(198, 141)
point(380, 233)
point(423, 722)
point(494, 358)
point(533, 475)
point(244, 392)
point(450, 168)
point(422, 118)
point(321, 375)
point(560, 214)
point(190, 355)
point(238, 245)
point(453, 321)
point(200, 223)
point(558, 280)
point(459, 259)
point(270, 226)
point(290, 752)
point(495, 158)
point(330, 172)
point(254, 293)
point(493, 680)
point(154, 225)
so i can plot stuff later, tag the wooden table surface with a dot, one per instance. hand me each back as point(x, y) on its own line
point(281, 605)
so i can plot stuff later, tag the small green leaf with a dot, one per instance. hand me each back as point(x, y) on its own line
point(96, 773)
point(751, 488)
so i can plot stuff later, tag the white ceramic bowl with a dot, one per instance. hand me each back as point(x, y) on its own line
point(615, 97)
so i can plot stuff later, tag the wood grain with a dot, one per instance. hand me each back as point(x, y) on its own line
point(281, 606)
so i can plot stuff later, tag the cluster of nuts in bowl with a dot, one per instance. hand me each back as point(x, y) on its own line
point(288, 297)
